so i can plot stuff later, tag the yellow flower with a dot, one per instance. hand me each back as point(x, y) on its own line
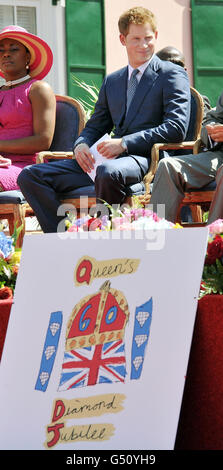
point(15, 257)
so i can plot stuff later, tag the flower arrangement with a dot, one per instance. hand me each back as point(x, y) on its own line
point(9, 263)
point(212, 278)
point(126, 219)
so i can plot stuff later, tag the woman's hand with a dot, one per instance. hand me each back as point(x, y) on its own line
point(4, 162)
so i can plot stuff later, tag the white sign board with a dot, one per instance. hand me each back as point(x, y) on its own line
point(98, 340)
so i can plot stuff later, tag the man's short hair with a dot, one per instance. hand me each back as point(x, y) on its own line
point(136, 15)
point(171, 54)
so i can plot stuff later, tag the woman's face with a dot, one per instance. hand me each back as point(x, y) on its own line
point(13, 58)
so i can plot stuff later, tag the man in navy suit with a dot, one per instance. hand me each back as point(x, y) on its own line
point(159, 112)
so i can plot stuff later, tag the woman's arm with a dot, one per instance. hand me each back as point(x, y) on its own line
point(43, 103)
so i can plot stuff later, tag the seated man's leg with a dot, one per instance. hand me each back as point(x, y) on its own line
point(175, 175)
point(216, 208)
point(41, 183)
point(114, 175)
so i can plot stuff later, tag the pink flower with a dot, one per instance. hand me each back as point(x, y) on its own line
point(73, 228)
point(118, 222)
point(149, 213)
point(216, 226)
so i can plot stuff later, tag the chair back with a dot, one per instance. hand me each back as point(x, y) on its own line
point(70, 120)
point(196, 116)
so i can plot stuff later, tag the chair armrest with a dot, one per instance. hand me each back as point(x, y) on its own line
point(155, 155)
point(155, 159)
point(175, 146)
point(198, 146)
point(195, 146)
point(41, 156)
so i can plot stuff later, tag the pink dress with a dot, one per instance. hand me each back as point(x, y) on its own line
point(16, 121)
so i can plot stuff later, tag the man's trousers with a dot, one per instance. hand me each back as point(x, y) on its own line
point(176, 175)
point(41, 184)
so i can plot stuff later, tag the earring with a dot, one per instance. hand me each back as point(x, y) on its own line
point(27, 66)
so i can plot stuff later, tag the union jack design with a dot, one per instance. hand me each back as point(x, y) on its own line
point(103, 363)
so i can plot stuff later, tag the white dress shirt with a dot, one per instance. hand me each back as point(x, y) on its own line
point(141, 69)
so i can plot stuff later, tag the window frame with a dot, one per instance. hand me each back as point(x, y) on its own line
point(24, 3)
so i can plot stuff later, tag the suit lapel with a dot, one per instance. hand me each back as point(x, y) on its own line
point(121, 87)
point(143, 89)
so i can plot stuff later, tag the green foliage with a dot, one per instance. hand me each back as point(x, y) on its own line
point(16, 234)
point(212, 279)
point(10, 259)
point(205, 216)
point(92, 92)
point(8, 274)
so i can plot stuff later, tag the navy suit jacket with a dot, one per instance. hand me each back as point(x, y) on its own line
point(159, 111)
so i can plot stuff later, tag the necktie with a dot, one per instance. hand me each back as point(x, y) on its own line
point(133, 83)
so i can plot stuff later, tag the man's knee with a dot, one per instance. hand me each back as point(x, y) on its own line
point(106, 172)
point(165, 165)
point(24, 176)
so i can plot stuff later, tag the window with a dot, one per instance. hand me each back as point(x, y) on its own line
point(24, 16)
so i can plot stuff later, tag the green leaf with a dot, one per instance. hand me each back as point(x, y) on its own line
point(205, 216)
point(16, 233)
point(91, 90)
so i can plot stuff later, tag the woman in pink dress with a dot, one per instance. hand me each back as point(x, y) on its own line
point(27, 104)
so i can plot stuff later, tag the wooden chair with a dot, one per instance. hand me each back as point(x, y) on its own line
point(70, 120)
point(192, 142)
point(199, 200)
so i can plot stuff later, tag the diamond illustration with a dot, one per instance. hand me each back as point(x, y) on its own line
point(140, 339)
point(54, 327)
point(142, 317)
point(44, 376)
point(49, 351)
point(137, 362)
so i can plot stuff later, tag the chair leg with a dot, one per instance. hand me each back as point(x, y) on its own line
point(178, 217)
point(197, 214)
point(11, 223)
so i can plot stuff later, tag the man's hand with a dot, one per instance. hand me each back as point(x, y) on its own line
point(4, 162)
point(84, 158)
point(110, 148)
point(215, 131)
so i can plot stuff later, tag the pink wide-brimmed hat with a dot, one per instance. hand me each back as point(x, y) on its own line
point(41, 55)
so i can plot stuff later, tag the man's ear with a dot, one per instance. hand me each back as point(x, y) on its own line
point(122, 39)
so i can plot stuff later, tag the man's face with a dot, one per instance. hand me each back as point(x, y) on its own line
point(140, 43)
